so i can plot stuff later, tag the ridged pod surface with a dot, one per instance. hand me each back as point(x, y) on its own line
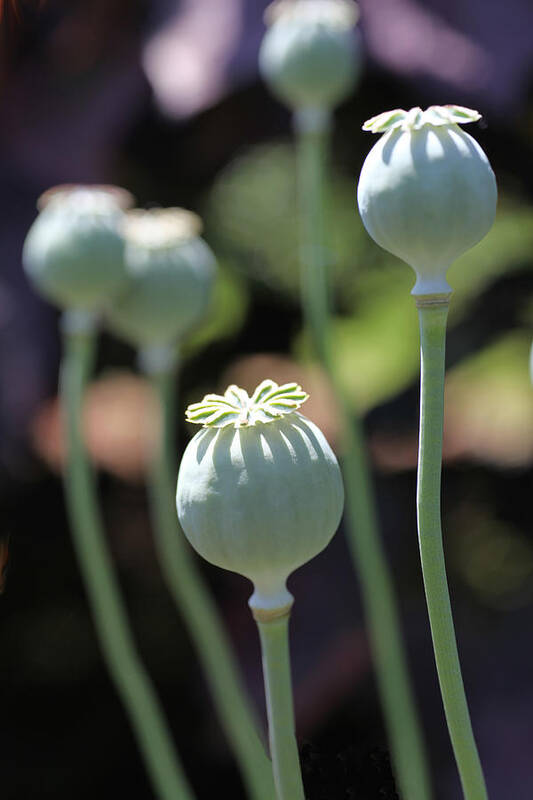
point(259, 488)
point(310, 55)
point(427, 192)
point(74, 251)
point(171, 272)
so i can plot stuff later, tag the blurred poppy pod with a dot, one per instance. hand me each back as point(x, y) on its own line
point(310, 55)
point(171, 273)
point(427, 192)
point(259, 488)
point(74, 251)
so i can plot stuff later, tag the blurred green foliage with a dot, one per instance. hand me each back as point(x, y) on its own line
point(494, 558)
point(508, 245)
point(252, 217)
point(490, 401)
point(252, 221)
point(226, 314)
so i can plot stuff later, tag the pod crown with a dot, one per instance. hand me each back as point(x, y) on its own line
point(415, 118)
point(342, 14)
point(157, 228)
point(235, 407)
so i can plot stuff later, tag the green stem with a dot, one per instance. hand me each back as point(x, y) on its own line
point(312, 128)
point(197, 608)
point(432, 348)
point(379, 601)
point(110, 618)
point(274, 634)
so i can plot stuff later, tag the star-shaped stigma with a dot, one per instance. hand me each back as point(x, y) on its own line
point(415, 118)
point(235, 407)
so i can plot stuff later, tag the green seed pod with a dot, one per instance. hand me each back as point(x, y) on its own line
point(259, 489)
point(427, 192)
point(171, 273)
point(310, 55)
point(74, 250)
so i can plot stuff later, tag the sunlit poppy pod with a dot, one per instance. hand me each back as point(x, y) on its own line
point(259, 488)
point(74, 251)
point(427, 192)
point(171, 272)
point(310, 55)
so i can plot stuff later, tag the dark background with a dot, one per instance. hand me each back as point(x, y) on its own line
point(164, 98)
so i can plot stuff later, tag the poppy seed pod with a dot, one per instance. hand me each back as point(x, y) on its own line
point(310, 55)
point(74, 250)
point(259, 489)
point(427, 192)
point(171, 272)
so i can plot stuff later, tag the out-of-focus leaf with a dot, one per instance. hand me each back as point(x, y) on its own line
point(494, 558)
point(508, 244)
point(489, 402)
point(376, 348)
point(252, 216)
point(226, 315)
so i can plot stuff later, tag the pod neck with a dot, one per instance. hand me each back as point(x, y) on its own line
point(79, 322)
point(158, 358)
point(310, 119)
point(434, 301)
point(266, 607)
point(431, 285)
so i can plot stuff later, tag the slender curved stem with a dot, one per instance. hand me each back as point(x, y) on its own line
point(274, 635)
point(110, 618)
point(432, 350)
point(380, 605)
point(197, 608)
